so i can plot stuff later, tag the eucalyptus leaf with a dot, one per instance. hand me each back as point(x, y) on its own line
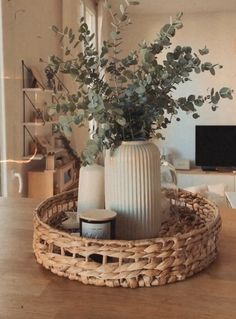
point(51, 110)
point(123, 17)
point(195, 115)
point(179, 15)
point(55, 29)
point(225, 92)
point(199, 102)
point(140, 89)
point(212, 70)
point(215, 98)
point(121, 121)
point(129, 74)
point(204, 51)
point(107, 5)
point(122, 9)
point(134, 3)
point(72, 38)
point(114, 35)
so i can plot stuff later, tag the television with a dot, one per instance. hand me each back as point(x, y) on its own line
point(215, 146)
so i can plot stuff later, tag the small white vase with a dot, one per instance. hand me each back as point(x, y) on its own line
point(132, 189)
point(91, 188)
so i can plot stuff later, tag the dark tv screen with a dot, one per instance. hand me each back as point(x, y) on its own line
point(215, 146)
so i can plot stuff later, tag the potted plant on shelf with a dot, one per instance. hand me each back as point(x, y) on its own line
point(130, 100)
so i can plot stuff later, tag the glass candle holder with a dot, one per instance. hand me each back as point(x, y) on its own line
point(169, 188)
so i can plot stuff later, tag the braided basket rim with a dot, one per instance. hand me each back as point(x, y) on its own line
point(126, 263)
point(194, 232)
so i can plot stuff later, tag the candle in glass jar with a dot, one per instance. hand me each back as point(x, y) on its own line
point(98, 223)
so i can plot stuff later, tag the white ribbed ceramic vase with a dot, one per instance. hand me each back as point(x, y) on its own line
point(132, 189)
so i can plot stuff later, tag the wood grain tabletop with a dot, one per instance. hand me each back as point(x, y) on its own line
point(29, 291)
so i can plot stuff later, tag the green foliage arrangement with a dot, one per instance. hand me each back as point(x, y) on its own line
point(130, 98)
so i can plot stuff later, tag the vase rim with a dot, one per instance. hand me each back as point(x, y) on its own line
point(135, 142)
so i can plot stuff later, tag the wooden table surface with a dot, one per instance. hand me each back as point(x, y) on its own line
point(29, 291)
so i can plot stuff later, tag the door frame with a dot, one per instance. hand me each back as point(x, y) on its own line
point(3, 143)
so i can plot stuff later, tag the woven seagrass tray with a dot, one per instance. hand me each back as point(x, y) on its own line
point(187, 244)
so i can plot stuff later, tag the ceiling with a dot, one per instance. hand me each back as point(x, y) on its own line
point(187, 6)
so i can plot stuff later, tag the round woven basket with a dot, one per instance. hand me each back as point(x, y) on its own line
point(187, 244)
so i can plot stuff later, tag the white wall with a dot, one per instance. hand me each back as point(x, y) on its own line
point(217, 31)
point(27, 36)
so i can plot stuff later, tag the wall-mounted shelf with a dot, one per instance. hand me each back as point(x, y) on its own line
point(57, 170)
point(36, 121)
point(40, 123)
point(37, 157)
point(37, 90)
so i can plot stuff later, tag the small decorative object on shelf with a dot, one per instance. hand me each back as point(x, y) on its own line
point(98, 223)
point(186, 245)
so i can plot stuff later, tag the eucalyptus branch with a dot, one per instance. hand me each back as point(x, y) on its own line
point(132, 99)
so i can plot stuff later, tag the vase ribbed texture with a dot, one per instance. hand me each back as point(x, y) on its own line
point(132, 189)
